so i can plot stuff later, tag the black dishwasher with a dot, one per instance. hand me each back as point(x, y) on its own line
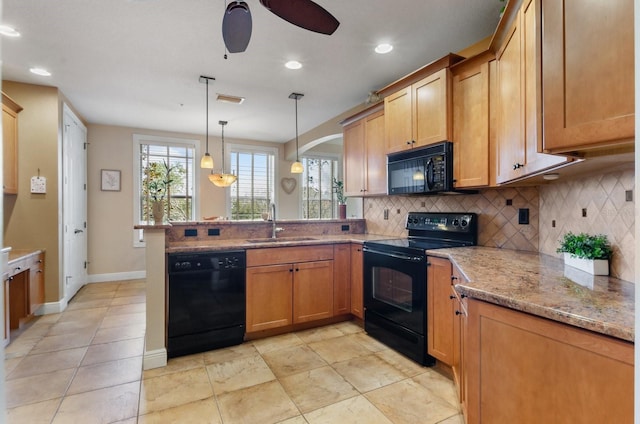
point(206, 301)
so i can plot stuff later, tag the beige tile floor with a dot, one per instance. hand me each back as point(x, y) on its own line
point(85, 366)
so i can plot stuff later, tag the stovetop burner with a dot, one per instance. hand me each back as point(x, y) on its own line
point(433, 231)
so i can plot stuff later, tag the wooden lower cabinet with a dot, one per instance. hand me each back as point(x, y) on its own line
point(525, 369)
point(36, 283)
point(312, 291)
point(440, 310)
point(357, 303)
point(7, 313)
point(269, 297)
point(341, 279)
point(288, 292)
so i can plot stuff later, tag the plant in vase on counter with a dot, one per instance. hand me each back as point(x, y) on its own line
point(590, 253)
point(338, 188)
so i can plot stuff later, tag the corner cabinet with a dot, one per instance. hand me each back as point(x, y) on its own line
point(341, 279)
point(365, 160)
point(440, 319)
point(10, 110)
point(419, 114)
point(518, 97)
point(471, 137)
point(526, 369)
point(288, 285)
point(357, 294)
point(587, 74)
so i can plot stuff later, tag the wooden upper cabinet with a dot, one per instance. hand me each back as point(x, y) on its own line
point(419, 114)
point(10, 110)
point(471, 124)
point(587, 74)
point(365, 160)
point(518, 97)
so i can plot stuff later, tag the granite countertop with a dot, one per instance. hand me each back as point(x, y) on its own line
point(538, 284)
point(309, 240)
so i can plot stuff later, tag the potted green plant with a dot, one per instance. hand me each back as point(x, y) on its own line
point(589, 253)
point(157, 182)
point(338, 188)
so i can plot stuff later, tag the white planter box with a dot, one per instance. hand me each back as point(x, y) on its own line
point(592, 266)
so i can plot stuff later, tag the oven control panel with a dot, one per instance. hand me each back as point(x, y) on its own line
point(445, 222)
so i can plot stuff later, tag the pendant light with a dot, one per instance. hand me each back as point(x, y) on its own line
point(207, 161)
point(296, 167)
point(221, 179)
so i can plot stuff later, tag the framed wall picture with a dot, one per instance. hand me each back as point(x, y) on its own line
point(109, 180)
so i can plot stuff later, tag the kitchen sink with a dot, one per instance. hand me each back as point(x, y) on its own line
point(280, 239)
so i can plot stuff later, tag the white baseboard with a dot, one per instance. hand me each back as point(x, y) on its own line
point(52, 307)
point(116, 276)
point(154, 359)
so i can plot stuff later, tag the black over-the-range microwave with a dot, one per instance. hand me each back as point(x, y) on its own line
point(425, 170)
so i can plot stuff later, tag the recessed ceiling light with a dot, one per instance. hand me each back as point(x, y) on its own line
point(8, 31)
point(40, 71)
point(383, 48)
point(293, 64)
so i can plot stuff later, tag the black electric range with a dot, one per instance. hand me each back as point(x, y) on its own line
point(395, 278)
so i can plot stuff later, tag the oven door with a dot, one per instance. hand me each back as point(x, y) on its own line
point(395, 287)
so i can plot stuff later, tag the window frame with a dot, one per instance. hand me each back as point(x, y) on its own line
point(244, 148)
point(332, 156)
point(139, 139)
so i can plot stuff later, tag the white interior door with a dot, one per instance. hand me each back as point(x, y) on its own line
point(74, 164)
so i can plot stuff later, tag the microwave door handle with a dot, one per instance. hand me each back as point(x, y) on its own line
point(430, 174)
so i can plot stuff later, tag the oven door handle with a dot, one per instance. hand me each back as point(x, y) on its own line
point(394, 255)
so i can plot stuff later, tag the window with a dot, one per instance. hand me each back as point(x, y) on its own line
point(318, 197)
point(158, 160)
point(252, 193)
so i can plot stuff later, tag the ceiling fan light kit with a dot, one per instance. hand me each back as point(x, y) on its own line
point(237, 23)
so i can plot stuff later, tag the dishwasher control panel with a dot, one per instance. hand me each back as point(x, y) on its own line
point(184, 262)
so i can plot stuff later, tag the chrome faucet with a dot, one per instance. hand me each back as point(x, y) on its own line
point(274, 230)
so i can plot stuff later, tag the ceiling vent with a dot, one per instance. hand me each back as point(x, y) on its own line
point(229, 99)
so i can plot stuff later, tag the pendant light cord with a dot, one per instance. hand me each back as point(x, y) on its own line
point(297, 149)
point(207, 80)
point(223, 148)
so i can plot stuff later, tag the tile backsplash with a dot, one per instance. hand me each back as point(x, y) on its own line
point(603, 199)
point(603, 196)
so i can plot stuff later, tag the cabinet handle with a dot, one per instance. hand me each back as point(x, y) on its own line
point(517, 166)
point(39, 271)
point(459, 313)
point(359, 250)
point(452, 296)
point(409, 142)
point(453, 278)
point(428, 263)
point(290, 269)
point(297, 269)
point(39, 261)
point(462, 296)
point(10, 278)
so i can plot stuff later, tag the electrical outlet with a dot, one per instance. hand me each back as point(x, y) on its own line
point(553, 223)
point(509, 202)
point(386, 214)
point(628, 195)
point(584, 212)
point(523, 216)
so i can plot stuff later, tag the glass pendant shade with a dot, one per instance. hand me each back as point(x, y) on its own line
point(222, 180)
point(206, 162)
point(296, 167)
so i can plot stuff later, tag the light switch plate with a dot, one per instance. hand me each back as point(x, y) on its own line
point(38, 185)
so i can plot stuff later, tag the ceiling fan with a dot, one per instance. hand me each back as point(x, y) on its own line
point(236, 24)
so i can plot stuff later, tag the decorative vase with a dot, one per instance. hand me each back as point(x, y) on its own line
point(157, 209)
point(342, 209)
point(592, 266)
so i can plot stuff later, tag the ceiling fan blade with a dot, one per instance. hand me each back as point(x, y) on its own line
point(303, 13)
point(236, 26)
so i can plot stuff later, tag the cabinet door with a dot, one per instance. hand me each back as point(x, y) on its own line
point(376, 158)
point(510, 146)
point(440, 310)
point(269, 297)
point(459, 334)
point(9, 150)
point(526, 369)
point(354, 157)
point(36, 284)
point(431, 114)
point(357, 304)
point(312, 291)
point(587, 73)
point(471, 126)
point(341, 279)
point(397, 121)
point(7, 314)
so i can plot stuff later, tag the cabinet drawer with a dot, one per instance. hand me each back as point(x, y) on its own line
point(287, 255)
